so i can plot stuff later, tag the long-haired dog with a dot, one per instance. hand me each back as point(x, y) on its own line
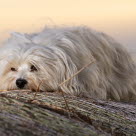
point(54, 55)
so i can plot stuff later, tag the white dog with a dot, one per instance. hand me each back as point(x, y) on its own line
point(52, 56)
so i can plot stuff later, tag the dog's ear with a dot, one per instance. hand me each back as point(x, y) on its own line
point(20, 37)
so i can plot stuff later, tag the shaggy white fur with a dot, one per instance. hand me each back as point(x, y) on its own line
point(55, 54)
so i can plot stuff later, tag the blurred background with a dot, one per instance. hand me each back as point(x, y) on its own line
point(114, 17)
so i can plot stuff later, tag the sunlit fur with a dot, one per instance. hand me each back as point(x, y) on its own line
point(58, 53)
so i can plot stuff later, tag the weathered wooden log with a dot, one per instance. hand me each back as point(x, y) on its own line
point(22, 113)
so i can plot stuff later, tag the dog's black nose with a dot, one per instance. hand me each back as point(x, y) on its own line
point(21, 83)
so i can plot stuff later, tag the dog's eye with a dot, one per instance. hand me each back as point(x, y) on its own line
point(33, 68)
point(13, 69)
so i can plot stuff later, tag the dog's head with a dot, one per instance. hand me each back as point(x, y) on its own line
point(28, 65)
point(25, 65)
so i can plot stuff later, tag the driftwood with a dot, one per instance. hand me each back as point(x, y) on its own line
point(49, 114)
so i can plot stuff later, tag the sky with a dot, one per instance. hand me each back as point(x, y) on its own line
point(114, 17)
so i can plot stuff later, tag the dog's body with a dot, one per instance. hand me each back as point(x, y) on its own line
point(52, 56)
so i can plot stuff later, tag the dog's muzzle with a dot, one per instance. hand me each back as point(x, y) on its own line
point(21, 83)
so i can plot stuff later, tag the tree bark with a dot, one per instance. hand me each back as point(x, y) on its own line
point(26, 113)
